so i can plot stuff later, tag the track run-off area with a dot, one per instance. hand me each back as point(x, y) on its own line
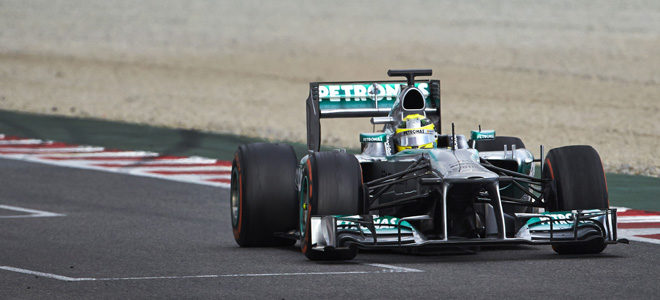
point(87, 221)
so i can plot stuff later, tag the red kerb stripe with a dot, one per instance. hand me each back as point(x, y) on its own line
point(126, 158)
point(221, 180)
point(12, 138)
point(638, 225)
point(167, 165)
point(650, 236)
point(190, 172)
point(44, 145)
point(636, 212)
point(33, 152)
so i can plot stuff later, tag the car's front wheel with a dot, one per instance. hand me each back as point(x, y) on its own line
point(331, 185)
point(576, 182)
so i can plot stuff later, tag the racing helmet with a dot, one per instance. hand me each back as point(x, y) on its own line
point(415, 132)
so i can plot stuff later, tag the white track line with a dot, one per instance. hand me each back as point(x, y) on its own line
point(42, 274)
point(33, 212)
point(384, 269)
point(394, 268)
point(239, 275)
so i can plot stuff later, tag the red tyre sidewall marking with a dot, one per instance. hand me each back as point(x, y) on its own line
point(552, 174)
point(237, 230)
point(606, 189)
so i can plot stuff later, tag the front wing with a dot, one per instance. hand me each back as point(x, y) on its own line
point(385, 232)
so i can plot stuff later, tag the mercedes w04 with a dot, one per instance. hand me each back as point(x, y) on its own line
point(412, 185)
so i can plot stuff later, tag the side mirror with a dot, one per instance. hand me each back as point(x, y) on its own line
point(482, 135)
point(382, 120)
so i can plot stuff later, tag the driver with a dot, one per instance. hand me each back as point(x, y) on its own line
point(415, 132)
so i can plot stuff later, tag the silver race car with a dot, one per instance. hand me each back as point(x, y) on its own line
point(413, 187)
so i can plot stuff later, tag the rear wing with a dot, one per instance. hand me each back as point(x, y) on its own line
point(359, 99)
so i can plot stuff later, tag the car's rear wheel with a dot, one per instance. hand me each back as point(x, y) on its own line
point(331, 185)
point(577, 182)
point(263, 194)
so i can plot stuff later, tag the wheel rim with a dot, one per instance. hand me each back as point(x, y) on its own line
point(304, 203)
point(235, 198)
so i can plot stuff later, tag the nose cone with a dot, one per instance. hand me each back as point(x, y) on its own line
point(460, 165)
point(467, 171)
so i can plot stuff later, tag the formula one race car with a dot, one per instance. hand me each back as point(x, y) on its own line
point(413, 187)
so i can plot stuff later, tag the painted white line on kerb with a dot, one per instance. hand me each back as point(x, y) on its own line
point(384, 269)
point(149, 161)
point(620, 208)
point(23, 142)
point(51, 151)
point(33, 213)
point(86, 165)
point(131, 154)
point(641, 239)
point(640, 219)
point(633, 234)
point(191, 177)
point(137, 163)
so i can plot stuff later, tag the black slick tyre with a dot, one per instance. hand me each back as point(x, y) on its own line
point(577, 182)
point(263, 194)
point(331, 185)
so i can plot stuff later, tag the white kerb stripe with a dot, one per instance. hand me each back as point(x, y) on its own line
point(42, 151)
point(128, 162)
point(632, 234)
point(187, 177)
point(133, 154)
point(22, 142)
point(638, 219)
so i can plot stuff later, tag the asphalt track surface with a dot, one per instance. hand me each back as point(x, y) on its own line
point(121, 236)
